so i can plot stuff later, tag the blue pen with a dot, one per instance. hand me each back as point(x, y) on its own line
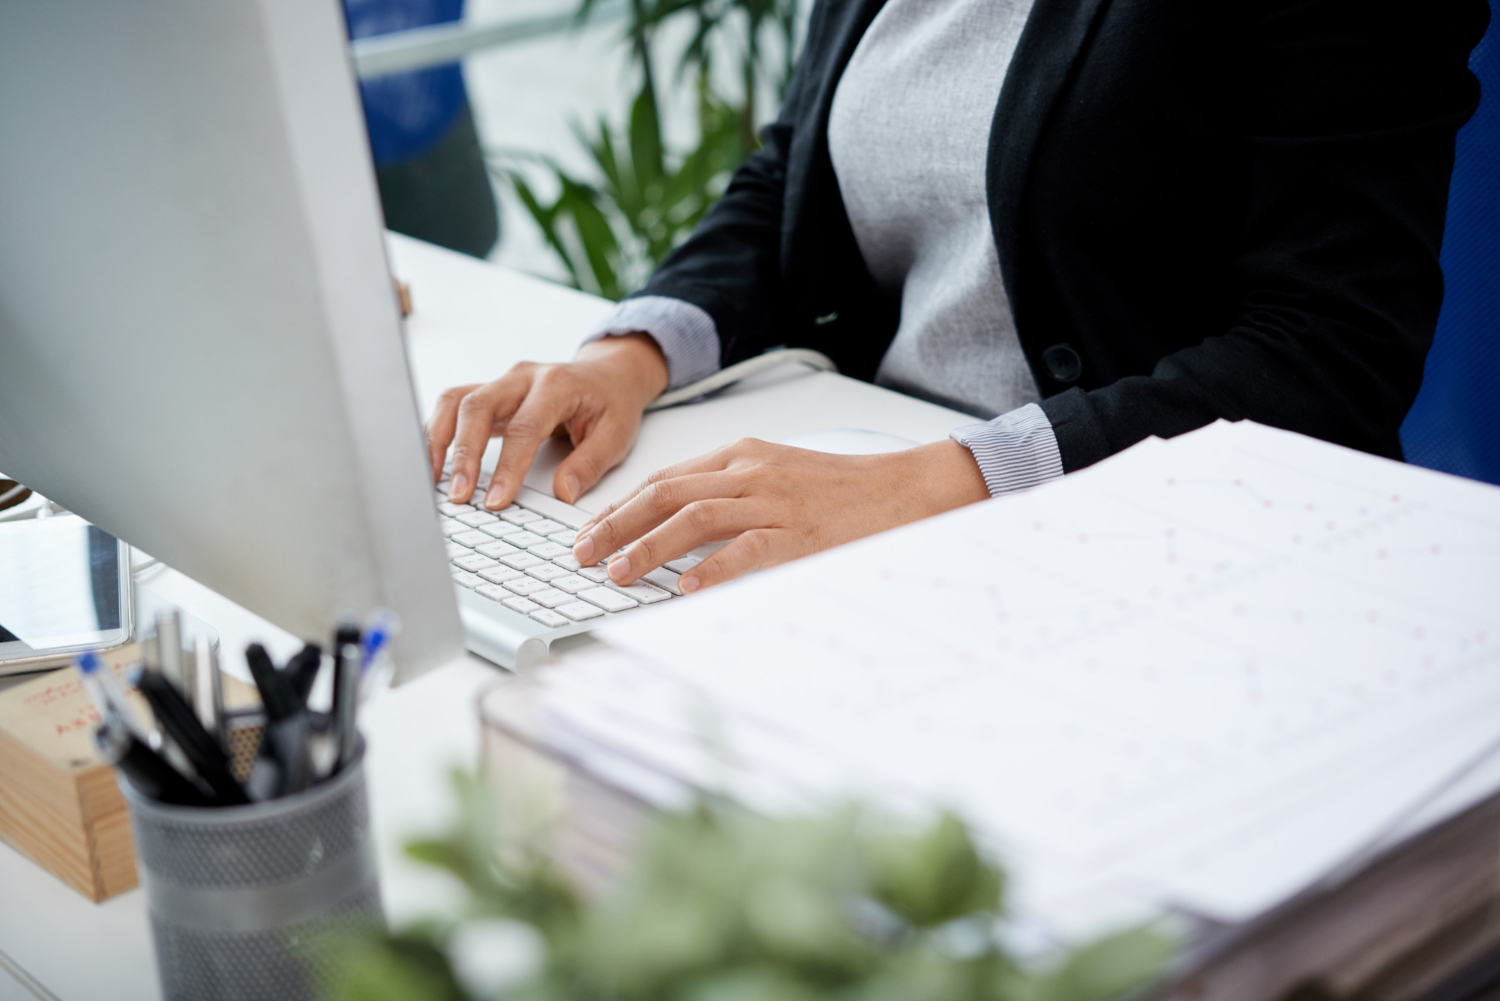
point(383, 626)
point(108, 694)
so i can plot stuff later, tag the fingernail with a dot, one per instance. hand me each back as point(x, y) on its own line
point(457, 486)
point(687, 585)
point(492, 499)
point(570, 484)
point(583, 549)
point(620, 569)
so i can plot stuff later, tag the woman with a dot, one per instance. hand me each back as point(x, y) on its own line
point(1099, 220)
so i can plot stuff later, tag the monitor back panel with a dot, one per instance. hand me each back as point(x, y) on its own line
point(200, 349)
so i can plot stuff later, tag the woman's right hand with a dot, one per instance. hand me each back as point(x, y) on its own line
point(598, 398)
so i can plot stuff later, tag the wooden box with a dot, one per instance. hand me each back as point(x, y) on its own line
point(59, 803)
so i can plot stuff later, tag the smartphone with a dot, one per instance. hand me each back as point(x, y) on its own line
point(64, 588)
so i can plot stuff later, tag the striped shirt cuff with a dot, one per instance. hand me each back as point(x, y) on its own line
point(684, 332)
point(1015, 451)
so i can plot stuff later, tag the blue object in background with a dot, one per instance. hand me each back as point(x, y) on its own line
point(1455, 423)
point(407, 113)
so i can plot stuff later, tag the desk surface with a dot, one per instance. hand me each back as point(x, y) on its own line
point(471, 321)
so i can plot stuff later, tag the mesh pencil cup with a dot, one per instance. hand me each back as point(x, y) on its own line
point(244, 899)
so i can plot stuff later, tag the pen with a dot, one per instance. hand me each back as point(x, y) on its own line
point(108, 695)
point(346, 663)
point(209, 688)
point(147, 773)
point(274, 693)
point(285, 740)
point(288, 739)
point(169, 651)
point(302, 671)
point(203, 752)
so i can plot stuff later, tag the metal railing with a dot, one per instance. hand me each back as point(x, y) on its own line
point(440, 44)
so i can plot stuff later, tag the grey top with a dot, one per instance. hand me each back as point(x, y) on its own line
point(909, 134)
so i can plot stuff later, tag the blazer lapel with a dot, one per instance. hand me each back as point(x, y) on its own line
point(1049, 46)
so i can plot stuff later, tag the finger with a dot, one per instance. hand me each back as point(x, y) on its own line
point(533, 422)
point(599, 451)
point(698, 522)
point(714, 461)
point(753, 550)
point(440, 426)
point(478, 414)
point(649, 507)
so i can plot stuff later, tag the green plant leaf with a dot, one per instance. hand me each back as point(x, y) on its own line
point(1110, 968)
point(646, 154)
point(398, 968)
point(598, 241)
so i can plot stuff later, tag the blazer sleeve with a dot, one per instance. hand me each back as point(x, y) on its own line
point(1349, 118)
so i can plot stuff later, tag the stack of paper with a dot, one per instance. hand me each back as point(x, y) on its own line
point(1204, 673)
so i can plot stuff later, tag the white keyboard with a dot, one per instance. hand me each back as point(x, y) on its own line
point(521, 558)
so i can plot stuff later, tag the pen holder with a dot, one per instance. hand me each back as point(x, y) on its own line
point(246, 901)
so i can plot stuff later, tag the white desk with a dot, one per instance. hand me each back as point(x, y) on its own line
point(471, 322)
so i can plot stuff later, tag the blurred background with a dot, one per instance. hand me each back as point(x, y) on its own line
point(579, 141)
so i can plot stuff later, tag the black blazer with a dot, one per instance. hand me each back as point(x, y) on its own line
point(1203, 209)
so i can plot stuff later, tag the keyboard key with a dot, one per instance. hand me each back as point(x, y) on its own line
point(608, 599)
point(519, 515)
point(596, 574)
point(548, 550)
point(521, 604)
point(548, 572)
point(455, 550)
point(500, 529)
point(476, 518)
point(545, 527)
point(551, 507)
point(465, 579)
point(522, 561)
point(474, 562)
point(495, 549)
point(494, 592)
point(573, 583)
point(568, 563)
point(525, 586)
point(525, 540)
point(564, 538)
point(499, 575)
point(551, 597)
point(646, 594)
point(451, 527)
point(549, 619)
point(453, 510)
point(682, 564)
point(664, 578)
point(473, 537)
point(579, 610)
point(442, 496)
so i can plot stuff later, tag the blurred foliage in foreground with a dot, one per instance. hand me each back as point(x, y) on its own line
point(726, 906)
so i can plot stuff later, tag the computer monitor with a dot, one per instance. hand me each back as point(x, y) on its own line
point(200, 346)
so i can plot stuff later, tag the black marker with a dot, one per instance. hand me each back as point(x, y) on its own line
point(302, 670)
point(346, 662)
point(143, 768)
point(181, 725)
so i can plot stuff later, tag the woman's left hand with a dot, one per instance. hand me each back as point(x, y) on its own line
point(776, 503)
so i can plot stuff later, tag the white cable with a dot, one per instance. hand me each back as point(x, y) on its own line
point(743, 370)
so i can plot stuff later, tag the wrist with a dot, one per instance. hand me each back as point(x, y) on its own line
point(634, 358)
point(949, 475)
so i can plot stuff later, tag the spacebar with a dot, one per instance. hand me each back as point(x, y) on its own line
point(551, 507)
